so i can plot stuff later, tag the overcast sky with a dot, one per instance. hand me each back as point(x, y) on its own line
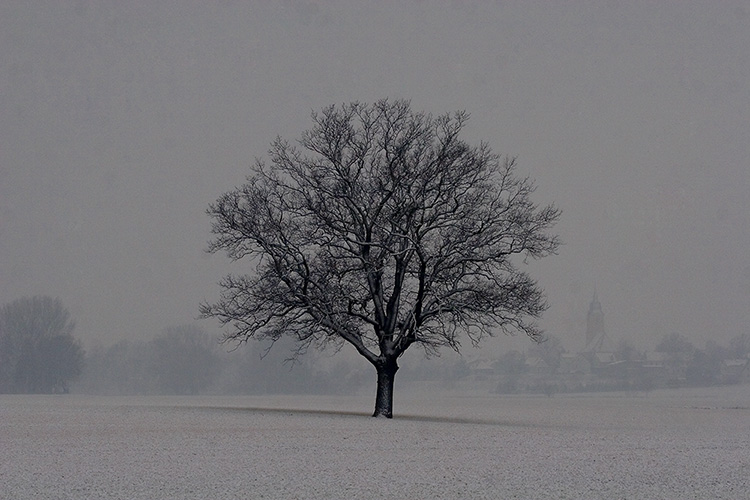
point(121, 121)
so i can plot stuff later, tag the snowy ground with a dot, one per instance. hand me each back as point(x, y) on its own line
point(664, 445)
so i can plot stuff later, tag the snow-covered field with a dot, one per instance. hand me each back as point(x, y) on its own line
point(667, 444)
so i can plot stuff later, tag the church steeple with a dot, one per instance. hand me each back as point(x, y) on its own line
point(596, 338)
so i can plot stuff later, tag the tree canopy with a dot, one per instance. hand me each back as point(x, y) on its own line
point(383, 229)
point(38, 353)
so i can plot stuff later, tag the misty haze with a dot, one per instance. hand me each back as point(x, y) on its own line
point(521, 230)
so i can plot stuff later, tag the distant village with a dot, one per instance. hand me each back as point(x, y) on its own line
point(603, 366)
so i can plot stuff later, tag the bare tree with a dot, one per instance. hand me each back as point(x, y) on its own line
point(38, 352)
point(381, 229)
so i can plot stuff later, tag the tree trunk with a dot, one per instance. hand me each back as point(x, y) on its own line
point(384, 397)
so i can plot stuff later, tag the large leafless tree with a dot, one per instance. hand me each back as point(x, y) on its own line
point(383, 229)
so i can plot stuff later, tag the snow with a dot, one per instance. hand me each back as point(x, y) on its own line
point(666, 444)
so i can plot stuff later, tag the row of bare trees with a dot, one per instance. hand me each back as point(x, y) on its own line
point(187, 360)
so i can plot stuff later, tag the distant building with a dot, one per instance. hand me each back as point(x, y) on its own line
point(597, 341)
point(601, 367)
point(667, 368)
point(574, 364)
point(735, 371)
point(482, 368)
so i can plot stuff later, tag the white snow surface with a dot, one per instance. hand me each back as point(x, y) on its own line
point(682, 444)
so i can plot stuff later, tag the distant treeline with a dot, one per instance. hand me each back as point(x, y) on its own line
point(187, 360)
point(38, 353)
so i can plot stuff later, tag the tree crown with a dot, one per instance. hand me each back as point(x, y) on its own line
point(381, 228)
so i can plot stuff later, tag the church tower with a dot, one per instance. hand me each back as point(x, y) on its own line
point(596, 338)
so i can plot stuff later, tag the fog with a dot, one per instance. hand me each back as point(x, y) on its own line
point(120, 123)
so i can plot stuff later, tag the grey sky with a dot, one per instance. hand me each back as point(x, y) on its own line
point(121, 121)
